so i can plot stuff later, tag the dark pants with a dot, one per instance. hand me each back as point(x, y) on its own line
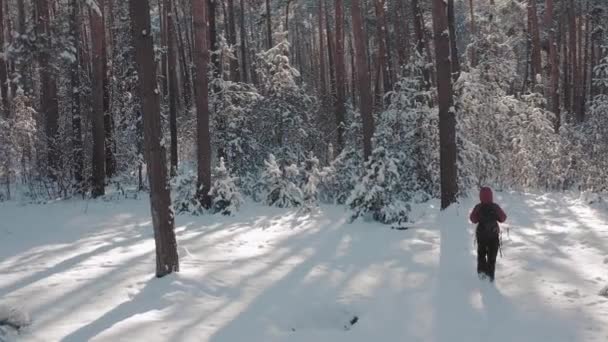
point(487, 249)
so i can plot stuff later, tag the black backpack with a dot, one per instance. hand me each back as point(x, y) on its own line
point(488, 222)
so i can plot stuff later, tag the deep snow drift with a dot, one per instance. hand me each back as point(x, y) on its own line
point(84, 271)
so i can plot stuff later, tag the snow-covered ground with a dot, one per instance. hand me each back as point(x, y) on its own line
point(84, 271)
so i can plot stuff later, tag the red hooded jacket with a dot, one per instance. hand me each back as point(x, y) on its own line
point(486, 196)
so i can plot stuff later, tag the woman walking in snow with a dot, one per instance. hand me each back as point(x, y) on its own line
point(487, 215)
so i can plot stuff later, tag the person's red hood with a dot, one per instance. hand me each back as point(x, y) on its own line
point(485, 195)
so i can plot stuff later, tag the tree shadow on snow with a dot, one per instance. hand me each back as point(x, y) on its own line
point(149, 298)
point(327, 290)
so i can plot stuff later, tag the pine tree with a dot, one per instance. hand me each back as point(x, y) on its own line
point(226, 198)
point(279, 183)
point(378, 193)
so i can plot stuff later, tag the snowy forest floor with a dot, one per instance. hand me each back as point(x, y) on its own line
point(84, 271)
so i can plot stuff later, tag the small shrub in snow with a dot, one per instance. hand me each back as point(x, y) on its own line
point(184, 197)
point(313, 176)
point(224, 193)
point(378, 194)
point(341, 176)
point(279, 184)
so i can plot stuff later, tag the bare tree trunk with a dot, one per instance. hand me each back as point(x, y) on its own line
point(201, 59)
point(314, 60)
point(453, 48)
point(107, 117)
point(420, 41)
point(268, 26)
point(49, 104)
point(534, 33)
point(363, 79)
point(244, 68)
point(447, 118)
point(585, 68)
point(234, 62)
point(25, 70)
point(3, 67)
point(163, 13)
point(383, 53)
point(473, 34)
point(322, 74)
point(184, 62)
point(340, 105)
point(401, 25)
point(77, 148)
point(553, 91)
point(331, 54)
point(173, 88)
point(212, 33)
point(287, 5)
point(567, 82)
point(167, 260)
point(99, 157)
point(574, 62)
point(353, 71)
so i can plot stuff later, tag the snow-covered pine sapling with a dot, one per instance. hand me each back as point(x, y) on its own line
point(279, 183)
point(312, 178)
point(184, 196)
point(341, 176)
point(378, 195)
point(225, 195)
point(284, 124)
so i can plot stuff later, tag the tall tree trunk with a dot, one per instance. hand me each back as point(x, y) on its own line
point(167, 260)
point(553, 91)
point(340, 105)
point(99, 156)
point(244, 68)
point(447, 118)
point(287, 17)
point(353, 71)
point(163, 10)
point(173, 88)
point(595, 43)
point(473, 51)
point(49, 104)
point(184, 62)
point(401, 25)
point(420, 41)
point(3, 67)
point(585, 68)
point(25, 70)
point(330, 54)
point(212, 33)
point(268, 26)
point(363, 79)
point(567, 67)
point(201, 59)
point(455, 59)
point(574, 61)
point(383, 51)
point(234, 62)
point(534, 32)
point(107, 117)
point(322, 74)
point(77, 148)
